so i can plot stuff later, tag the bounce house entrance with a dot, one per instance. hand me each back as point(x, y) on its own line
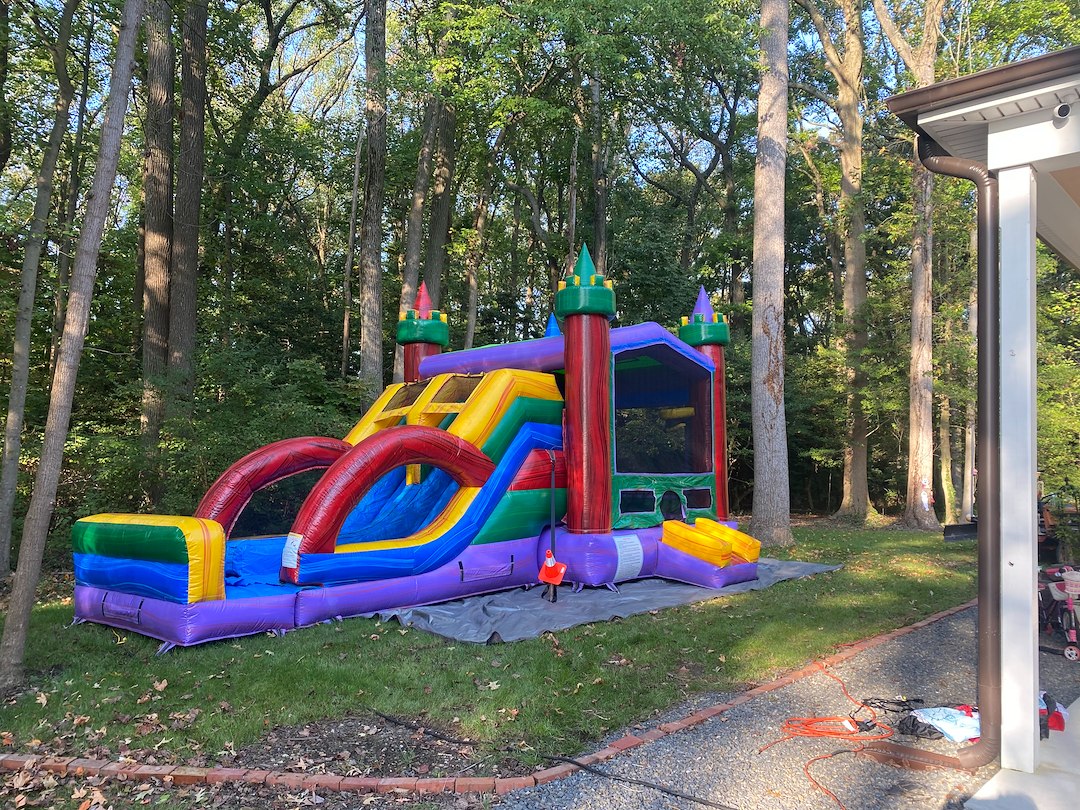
point(662, 438)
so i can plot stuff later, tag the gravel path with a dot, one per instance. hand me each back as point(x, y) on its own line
point(718, 759)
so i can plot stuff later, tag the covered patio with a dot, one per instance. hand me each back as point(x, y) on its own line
point(1020, 124)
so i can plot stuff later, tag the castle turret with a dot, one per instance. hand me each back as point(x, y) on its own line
point(585, 303)
point(422, 331)
point(709, 333)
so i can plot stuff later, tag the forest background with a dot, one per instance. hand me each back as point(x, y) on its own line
point(289, 171)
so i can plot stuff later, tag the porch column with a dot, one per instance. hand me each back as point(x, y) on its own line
point(1019, 539)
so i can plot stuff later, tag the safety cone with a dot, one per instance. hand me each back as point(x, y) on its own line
point(552, 572)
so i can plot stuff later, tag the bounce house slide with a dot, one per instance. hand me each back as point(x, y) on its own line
point(376, 513)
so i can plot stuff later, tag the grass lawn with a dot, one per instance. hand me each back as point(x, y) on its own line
point(93, 688)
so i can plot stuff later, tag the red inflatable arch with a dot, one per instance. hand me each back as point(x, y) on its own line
point(228, 496)
point(332, 499)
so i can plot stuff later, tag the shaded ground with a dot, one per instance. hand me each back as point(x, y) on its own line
point(365, 746)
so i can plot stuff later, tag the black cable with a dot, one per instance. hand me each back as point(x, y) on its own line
point(644, 783)
point(422, 729)
point(570, 760)
point(894, 706)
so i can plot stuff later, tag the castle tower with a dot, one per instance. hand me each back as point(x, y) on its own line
point(422, 331)
point(585, 302)
point(709, 333)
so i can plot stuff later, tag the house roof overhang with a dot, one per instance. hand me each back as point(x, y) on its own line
point(1026, 113)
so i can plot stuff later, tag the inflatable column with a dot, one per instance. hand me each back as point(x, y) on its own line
point(585, 302)
point(708, 333)
point(422, 332)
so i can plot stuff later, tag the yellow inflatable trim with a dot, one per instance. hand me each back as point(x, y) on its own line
point(689, 540)
point(742, 544)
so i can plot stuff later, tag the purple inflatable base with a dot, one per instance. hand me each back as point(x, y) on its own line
point(592, 559)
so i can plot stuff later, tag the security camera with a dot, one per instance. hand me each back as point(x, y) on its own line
point(1062, 111)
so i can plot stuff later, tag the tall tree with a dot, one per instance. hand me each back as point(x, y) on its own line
point(920, 59)
point(844, 54)
point(414, 233)
point(5, 61)
point(76, 165)
point(771, 521)
point(371, 232)
point(442, 203)
point(184, 270)
point(157, 232)
point(39, 513)
point(350, 254)
point(20, 364)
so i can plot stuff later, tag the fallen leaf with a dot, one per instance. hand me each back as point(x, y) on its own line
point(42, 698)
point(159, 686)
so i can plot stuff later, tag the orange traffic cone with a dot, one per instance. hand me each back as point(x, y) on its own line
point(552, 572)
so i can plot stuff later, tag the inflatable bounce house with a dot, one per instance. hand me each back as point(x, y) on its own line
point(604, 446)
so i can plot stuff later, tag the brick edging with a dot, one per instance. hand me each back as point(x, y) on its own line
point(181, 775)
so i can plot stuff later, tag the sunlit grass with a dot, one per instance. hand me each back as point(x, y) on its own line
point(93, 686)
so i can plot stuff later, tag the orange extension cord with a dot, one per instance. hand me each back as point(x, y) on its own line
point(836, 728)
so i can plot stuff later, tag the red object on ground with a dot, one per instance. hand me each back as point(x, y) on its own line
point(351, 476)
point(552, 572)
point(587, 429)
point(228, 496)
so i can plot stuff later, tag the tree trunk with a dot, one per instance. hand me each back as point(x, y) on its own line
point(600, 183)
point(71, 207)
point(157, 240)
point(371, 233)
point(571, 219)
point(917, 514)
point(920, 61)
point(845, 64)
point(346, 284)
point(442, 201)
point(475, 251)
point(5, 105)
point(967, 499)
point(39, 514)
point(771, 521)
point(948, 488)
point(414, 238)
point(184, 274)
point(20, 360)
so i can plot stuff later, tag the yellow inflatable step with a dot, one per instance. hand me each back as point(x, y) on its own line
point(742, 544)
point(690, 540)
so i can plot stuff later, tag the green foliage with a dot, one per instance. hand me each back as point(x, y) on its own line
point(1058, 393)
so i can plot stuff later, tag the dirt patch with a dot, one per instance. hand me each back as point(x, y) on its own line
point(373, 745)
point(368, 745)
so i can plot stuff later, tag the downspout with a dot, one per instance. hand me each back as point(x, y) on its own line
point(988, 420)
point(988, 427)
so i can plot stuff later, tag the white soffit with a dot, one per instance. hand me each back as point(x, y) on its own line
point(1024, 120)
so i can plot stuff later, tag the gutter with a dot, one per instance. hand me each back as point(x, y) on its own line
point(1042, 70)
point(988, 428)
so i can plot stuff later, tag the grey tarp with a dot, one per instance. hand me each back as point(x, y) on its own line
point(520, 614)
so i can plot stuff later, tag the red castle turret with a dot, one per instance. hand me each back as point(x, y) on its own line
point(709, 333)
point(585, 302)
point(422, 331)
